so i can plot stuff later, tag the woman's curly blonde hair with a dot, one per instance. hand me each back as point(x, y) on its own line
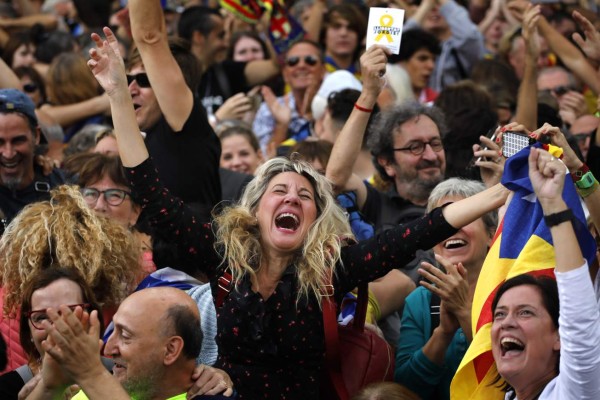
point(238, 235)
point(65, 232)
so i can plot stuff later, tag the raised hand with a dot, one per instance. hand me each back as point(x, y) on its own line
point(558, 138)
point(591, 44)
point(281, 111)
point(531, 17)
point(489, 159)
point(547, 174)
point(73, 341)
point(107, 64)
point(372, 66)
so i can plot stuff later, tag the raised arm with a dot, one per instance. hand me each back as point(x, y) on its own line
point(149, 32)
point(69, 114)
point(107, 66)
point(348, 143)
point(465, 211)
point(547, 175)
point(570, 55)
point(574, 164)
point(527, 98)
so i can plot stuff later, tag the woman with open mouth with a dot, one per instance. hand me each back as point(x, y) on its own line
point(280, 244)
point(537, 357)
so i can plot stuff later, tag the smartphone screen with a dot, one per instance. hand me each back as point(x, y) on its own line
point(513, 142)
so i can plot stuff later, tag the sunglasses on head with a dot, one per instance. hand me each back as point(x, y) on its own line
point(141, 79)
point(30, 87)
point(309, 60)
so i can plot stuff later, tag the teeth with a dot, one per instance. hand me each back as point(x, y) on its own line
point(288, 215)
point(454, 243)
point(508, 340)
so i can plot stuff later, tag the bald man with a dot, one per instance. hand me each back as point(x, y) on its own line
point(154, 347)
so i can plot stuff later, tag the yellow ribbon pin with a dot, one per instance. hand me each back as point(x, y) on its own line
point(386, 21)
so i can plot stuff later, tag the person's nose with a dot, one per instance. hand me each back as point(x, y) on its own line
point(430, 65)
point(428, 153)
point(101, 204)
point(508, 321)
point(236, 161)
point(292, 197)
point(110, 348)
point(7, 151)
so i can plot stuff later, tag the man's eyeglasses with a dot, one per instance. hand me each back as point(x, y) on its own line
point(37, 317)
point(309, 60)
point(418, 148)
point(141, 79)
point(559, 90)
point(114, 197)
point(30, 87)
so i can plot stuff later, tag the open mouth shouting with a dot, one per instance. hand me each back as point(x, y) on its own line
point(454, 244)
point(287, 222)
point(511, 347)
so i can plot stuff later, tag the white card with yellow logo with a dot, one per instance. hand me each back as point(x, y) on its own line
point(385, 28)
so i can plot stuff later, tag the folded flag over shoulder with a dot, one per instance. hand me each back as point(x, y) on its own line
point(284, 30)
point(523, 244)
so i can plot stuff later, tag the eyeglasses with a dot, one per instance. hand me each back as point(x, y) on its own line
point(141, 79)
point(559, 90)
point(308, 60)
point(418, 148)
point(30, 87)
point(582, 137)
point(37, 317)
point(114, 197)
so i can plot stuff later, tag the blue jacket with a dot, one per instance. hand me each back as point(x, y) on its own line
point(413, 369)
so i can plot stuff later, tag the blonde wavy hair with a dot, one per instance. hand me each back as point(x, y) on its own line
point(238, 235)
point(65, 232)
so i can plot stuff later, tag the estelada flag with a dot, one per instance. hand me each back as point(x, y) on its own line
point(284, 30)
point(522, 244)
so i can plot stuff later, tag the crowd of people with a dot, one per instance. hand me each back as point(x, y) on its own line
point(179, 185)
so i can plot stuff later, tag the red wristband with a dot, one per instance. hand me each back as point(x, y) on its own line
point(577, 175)
point(363, 109)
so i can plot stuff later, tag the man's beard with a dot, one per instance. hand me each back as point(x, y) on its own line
point(143, 387)
point(420, 188)
point(12, 183)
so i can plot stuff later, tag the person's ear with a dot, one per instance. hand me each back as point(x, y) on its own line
point(36, 136)
point(198, 39)
point(173, 349)
point(387, 165)
point(556, 345)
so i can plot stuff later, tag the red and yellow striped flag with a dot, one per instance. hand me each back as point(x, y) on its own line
point(523, 244)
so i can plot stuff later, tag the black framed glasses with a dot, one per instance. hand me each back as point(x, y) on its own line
point(30, 87)
point(141, 79)
point(37, 317)
point(114, 197)
point(418, 148)
point(308, 60)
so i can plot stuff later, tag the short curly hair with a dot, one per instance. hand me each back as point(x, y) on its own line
point(64, 231)
point(381, 133)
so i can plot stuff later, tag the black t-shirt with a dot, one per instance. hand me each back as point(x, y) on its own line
point(10, 385)
point(13, 202)
point(220, 82)
point(188, 160)
point(386, 210)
